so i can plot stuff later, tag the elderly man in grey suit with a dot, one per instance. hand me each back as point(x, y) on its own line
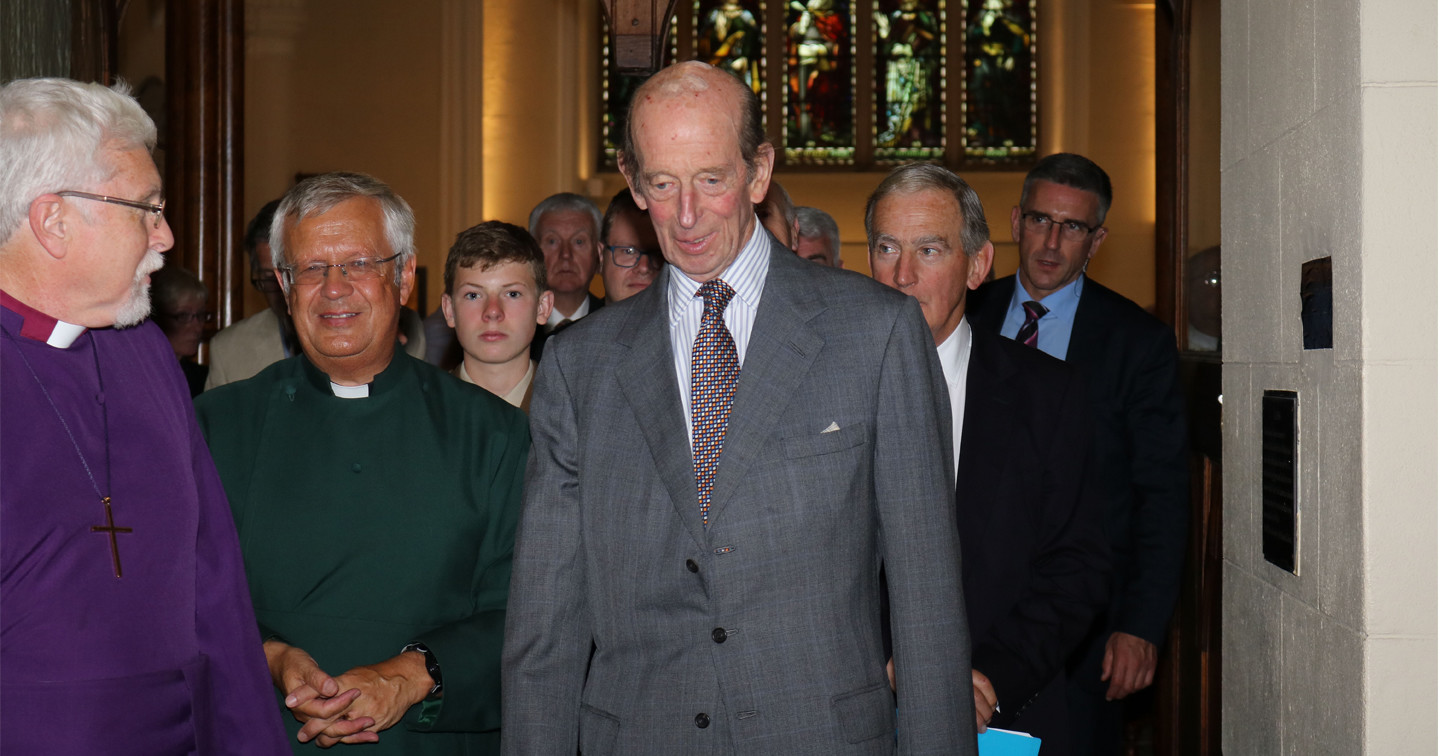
point(721, 465)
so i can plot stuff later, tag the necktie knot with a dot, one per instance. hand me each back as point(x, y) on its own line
point(717, 296)
point(1029, 334)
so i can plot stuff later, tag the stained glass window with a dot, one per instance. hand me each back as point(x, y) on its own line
point(999, 104)
point(865, 83)
point(909, 80)
point(730, 35)
point(820, 83)
point(617, 89)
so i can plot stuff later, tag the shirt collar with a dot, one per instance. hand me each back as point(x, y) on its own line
point(954, 351)
point(745, 274)
point(38, 326)
point(1060, 303)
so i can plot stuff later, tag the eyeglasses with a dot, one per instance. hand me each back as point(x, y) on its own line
point(359, 269)
point(1070, 230)
point(266, 284)
point(629, 257)
point(190, 317)
point(156, 211)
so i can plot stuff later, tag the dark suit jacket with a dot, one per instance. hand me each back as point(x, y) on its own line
point(1035, 557)
point(760, 634)
point(1128, 361)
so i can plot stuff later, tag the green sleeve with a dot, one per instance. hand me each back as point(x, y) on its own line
point(468, 650)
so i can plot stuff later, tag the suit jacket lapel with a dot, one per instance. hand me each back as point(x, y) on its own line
point(989, 410)
point(1088, 332)
point(782, 347)
point(647, 379)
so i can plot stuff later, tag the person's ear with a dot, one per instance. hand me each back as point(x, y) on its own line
point(1095, 242)
point(51, 224)
point(764, 164)
point(407, 279)
point(447, 306)
point(980, 266)
point(546, 306)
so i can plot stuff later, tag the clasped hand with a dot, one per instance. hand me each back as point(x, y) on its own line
point(350, 708)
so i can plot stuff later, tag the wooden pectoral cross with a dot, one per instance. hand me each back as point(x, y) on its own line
point(109, 527)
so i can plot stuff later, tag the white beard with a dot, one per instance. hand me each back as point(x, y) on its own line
point(137, 307)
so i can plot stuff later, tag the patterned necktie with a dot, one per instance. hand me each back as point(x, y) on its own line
point(714, 370)
point(1029, 332)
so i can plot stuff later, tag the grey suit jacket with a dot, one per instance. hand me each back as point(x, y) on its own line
point(762, 633)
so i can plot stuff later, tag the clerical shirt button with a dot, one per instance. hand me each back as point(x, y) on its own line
point(702, 720)
point(691, 566)
point(355, 467)
point(718, 635)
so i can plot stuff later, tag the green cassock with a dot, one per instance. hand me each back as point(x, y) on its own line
point(370, 523)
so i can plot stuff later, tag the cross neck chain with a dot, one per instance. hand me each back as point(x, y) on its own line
point(105, 425)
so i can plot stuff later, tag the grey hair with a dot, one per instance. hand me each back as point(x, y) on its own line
point(1074, 171)
point(920, 176)
point(318, 194)
point(54, 136)
point(565, 202)
point(815, 223)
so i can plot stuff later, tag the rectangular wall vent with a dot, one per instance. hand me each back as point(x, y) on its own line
point(1279, 465)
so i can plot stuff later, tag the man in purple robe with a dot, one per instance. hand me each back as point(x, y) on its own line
point(125, 620)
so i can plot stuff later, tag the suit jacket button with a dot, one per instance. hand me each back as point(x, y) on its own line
point(691, 565)
point(702, 720)
point(718, 635)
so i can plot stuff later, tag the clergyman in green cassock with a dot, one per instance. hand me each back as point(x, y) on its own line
point(376, 499)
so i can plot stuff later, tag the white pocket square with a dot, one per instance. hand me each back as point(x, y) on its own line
point(831, 428)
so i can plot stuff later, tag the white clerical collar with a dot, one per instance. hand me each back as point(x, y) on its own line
point(41, 327)
point(350, 392)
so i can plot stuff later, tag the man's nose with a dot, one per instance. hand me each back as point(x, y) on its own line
point(1052, 234)
point(904, 272)
point(336, 283)
point(688, 210)
point(493, 310)
point(162, 238)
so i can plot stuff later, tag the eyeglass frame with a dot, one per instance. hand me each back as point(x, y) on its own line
point(1045, 222)
point(653, 254)
point(289, 270)
point(155, 210)
point(188, 317)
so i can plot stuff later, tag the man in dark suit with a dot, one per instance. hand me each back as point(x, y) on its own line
point(1128, 361)
point(732, 595)
point(1035, 554)
point(567, 227)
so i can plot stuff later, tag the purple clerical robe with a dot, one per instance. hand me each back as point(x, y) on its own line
point(166, 658)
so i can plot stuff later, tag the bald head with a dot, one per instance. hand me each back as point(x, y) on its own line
point(700, 85)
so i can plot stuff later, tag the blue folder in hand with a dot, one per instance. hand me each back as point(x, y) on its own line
point(997, 742)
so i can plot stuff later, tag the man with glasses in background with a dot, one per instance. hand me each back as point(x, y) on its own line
point(1128, 360)
point(631, 255)
point(126, 625)
point(376, 496)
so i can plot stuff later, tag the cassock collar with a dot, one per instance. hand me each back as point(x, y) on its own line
point(387, 378)
point(41, 327)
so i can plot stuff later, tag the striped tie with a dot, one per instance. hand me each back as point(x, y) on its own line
point(1029, 332)
point(714, 370)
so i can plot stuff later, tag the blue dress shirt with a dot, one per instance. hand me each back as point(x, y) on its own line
point(1055, 326)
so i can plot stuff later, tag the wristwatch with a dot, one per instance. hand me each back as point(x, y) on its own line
point(431, 666)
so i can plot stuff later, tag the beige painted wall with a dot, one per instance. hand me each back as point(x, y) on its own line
point(1329, 149)
point(356, 85)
